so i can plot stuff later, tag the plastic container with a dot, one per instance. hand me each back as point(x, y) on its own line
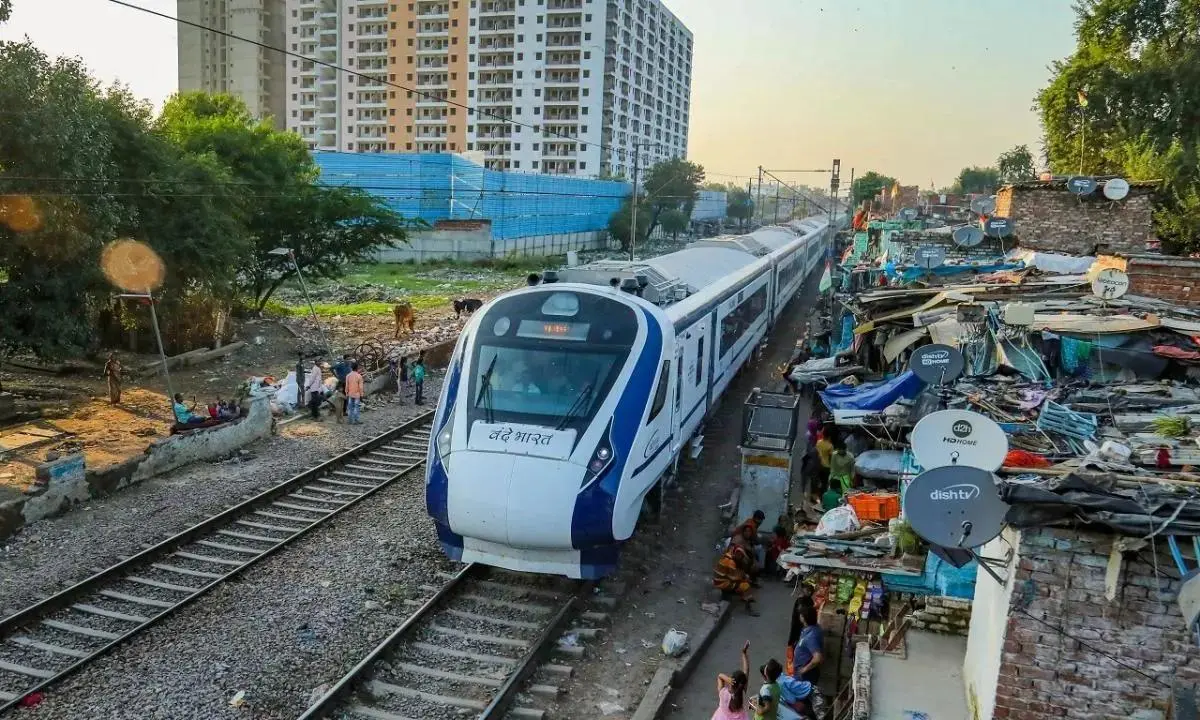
point(879, 507)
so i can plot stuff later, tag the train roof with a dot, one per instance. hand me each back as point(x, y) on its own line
point(674, 276)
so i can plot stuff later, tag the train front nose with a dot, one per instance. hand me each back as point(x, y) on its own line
point(514, 500)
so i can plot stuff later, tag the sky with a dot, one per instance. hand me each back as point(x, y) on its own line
point(914, 89)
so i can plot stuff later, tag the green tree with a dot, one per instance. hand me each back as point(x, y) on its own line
point(619, 223)
point(282, 205)
point(1127, 101)
point(869, 185)
point(1016, 165)
point(739, 205)
point(5, 10)
point(674, 221)
point(977, 180)
point(670, 185)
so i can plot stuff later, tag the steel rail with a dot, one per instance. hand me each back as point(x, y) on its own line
point(97, 584)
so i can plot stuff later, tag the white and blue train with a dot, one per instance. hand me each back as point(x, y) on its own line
point(567, 402)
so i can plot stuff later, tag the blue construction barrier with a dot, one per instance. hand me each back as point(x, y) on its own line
point(441, 186)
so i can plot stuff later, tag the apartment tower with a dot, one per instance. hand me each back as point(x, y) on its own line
point(554, 86)
point(213, 62)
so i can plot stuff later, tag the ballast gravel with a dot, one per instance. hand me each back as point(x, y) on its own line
point(52, 554)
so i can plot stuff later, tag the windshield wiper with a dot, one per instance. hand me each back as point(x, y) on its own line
point(581, 401)
point(485, 391)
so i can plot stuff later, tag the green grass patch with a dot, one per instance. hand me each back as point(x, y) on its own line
point(419, 302)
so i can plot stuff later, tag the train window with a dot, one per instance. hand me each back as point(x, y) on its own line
point(743, 317)
point(700, 362)
point(660, 395)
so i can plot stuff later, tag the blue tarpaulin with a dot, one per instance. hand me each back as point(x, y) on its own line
point(872, 396)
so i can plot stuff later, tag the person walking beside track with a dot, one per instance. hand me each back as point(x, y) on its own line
point(112, 375)
point(418, 376)
point(354, 394)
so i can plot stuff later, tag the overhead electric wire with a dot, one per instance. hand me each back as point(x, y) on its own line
point(372, 79)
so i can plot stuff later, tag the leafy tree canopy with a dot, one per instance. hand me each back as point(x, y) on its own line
point(1016, 165)
point(977, 180)
point(1127, 101)
point(869, 185)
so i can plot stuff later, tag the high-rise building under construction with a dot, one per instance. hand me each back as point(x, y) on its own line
point(554, 86)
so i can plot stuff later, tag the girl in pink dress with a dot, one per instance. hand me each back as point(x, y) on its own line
point(731, 691)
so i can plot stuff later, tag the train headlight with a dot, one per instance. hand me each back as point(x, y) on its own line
point(444, 436)
point(602, 456)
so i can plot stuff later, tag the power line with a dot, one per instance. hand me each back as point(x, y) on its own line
point(425, 94)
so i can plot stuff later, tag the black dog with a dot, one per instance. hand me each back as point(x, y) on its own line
point(469, 306)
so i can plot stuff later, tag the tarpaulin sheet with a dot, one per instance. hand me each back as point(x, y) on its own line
point(1053, 262)
point(1091, 496)
point(872, 396)
point(909, 274)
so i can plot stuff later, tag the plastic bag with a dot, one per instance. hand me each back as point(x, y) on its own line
point(674, 643)
point(838, 520)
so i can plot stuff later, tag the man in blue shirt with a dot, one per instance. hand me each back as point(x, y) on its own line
point(810, 647)
point(183, 415)
point(418, 376)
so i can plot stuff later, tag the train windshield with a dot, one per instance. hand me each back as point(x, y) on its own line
point(548, 358)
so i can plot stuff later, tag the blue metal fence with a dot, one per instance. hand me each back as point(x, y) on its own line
point(440, 186)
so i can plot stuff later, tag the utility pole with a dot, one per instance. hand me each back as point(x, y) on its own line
point(749, 194)
point(637, 157)
point(850, 195)
point(776, 221)
point(759, 200)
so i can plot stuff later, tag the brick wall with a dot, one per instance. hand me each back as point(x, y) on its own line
point(1060, 579)
point(944, 615)
point(1173, 279)
point(1050, 218)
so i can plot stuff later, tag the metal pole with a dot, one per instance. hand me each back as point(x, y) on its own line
point(311, 309)
point(759, 200)
point(776, 221)
point(749, 194)
point(850, 195)
point(162, 353)
point(637, 157)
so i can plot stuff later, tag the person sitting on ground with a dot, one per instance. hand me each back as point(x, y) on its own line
point(782, 697)
point(183, 414)
point(731, 691)
point(732, 573)
point(749, 532)
point(780, 542)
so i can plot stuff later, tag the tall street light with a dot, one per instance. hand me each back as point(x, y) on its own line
point(287, 252)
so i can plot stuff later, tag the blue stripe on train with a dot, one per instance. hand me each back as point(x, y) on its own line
point(591, 521)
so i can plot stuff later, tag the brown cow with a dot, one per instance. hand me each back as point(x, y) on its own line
point(405, 317)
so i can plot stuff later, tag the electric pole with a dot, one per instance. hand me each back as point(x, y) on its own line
point(759, 200)
point(637, 157)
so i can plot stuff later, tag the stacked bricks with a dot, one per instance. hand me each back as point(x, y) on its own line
point(1048, 217)
point(1172, 279)
point(1060, 581)
point(861, 682)
point(947, 615)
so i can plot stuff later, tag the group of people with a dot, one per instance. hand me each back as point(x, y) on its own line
point(214, 413)
point(348, 390)
point(747, 557)
point(829, 462)
point(789, 689)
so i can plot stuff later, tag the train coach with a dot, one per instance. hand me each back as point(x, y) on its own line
point(567, 403)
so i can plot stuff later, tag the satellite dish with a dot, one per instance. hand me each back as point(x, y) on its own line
point(1081, 185)
point(968, 236)
point(960, 438)
point(998, 227)
point(908, 214)
point(929, 256)
point(1116, 189)
point(983, 205)
point(955, 507)
point(936, 364)
point(1110, 283)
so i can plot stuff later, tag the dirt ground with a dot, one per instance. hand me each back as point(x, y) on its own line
point(79, 417)
point(667, 567)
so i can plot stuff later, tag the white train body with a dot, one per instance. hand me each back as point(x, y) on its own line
point(565, 403)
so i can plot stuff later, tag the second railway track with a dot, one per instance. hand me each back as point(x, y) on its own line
point(59, 635)
point(475, 647)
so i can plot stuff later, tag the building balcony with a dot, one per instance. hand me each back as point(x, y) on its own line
point(494, 28)
point(496, 135)
point(564, 22)
point(433, 99)
point(431, 120)
point(562, 59)
point(372, 103)
point(372, 51)
point(497, 8)
point(495, 61)
point(372, 31)
point(563, 5)
point(433, 48)
point(433, 30)
point(495, 44)
point(489, 79)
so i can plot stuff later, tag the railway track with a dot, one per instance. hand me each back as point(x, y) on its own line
point(475, 647)
point(61, 634)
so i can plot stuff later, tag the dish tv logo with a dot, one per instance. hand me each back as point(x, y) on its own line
point(962, 431)
point(937, 357)
point(963, 491)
